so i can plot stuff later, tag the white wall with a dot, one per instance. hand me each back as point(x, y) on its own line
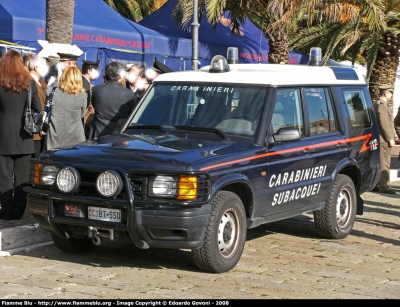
point(396, 94)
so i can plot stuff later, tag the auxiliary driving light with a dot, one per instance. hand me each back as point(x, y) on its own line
point(109, 183)
point(68, 180)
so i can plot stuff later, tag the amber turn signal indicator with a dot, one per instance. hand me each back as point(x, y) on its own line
point(187, 187)
point(36, 178)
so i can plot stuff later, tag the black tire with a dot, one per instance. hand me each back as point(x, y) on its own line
point(225, 235)
point(73, 245)
point(337, 218)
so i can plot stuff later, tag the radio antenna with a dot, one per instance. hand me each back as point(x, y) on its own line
point(259, 50)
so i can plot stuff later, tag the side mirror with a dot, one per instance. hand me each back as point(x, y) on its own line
point(121, 123)
point(287, 134)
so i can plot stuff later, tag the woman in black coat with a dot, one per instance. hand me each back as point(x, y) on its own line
point(16, 145)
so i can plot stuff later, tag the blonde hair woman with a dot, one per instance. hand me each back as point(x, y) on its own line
point(69, 105)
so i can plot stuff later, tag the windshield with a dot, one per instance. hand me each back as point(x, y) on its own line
point(222, 107)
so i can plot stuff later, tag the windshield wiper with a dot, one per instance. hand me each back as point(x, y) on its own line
point(204, 129)
point(154, 127)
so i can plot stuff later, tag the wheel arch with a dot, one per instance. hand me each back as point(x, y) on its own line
point(241, 186)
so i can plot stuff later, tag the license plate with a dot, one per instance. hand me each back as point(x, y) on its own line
point(104, 214)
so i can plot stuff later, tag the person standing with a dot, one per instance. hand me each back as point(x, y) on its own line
point(64, 61)
point(89, 72)
point(134, 76)
point(16, 145)
point(157, 69)
point(26, 58)
point(133, 73)
point(386, 135)
point(69, 105)
point(141, 85)
point(111, 101)
point(38, 69)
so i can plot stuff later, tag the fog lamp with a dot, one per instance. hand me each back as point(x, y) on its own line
point(68, 180)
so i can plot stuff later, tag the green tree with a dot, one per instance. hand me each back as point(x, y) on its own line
point(59, 21)
point(373, 35)
point(135, 10)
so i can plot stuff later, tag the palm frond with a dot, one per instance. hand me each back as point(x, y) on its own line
point(312, 35)
point(124, 7)
point(338, 38)
point(371, 46)
point(373, 11)
point(183, 12)
point(214, 10)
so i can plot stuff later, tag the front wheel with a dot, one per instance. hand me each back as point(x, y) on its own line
point(225, 236)
point(337, 218)
point(73, 245)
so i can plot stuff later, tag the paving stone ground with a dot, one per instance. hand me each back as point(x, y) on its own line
point(281, 260)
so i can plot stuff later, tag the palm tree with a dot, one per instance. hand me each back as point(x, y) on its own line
point(277, 18)
point(352, 39)
point(135, 10)
point(239, 11)
point(59, 21)
point(339, 14)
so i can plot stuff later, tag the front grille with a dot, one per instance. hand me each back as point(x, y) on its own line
point(139, 186)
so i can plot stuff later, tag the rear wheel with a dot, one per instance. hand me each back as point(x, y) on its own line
point(225, 236)
point(73, 245)
point(337, 218)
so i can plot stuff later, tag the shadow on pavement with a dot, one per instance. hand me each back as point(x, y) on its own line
point(378, 223)
point(380, 208)
point(299, 226)
point(122, 254)
point(374, 237)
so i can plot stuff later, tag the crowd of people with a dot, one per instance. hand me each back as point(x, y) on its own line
point(80, 111)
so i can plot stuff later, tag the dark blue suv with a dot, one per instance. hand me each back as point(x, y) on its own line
point(208, 154)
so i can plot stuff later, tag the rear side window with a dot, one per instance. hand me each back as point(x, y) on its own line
point(357, 108)
point(320, 111)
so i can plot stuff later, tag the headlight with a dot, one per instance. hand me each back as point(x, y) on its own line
point(49, 174)
point(45, 174)
point(109, 183)
point(182, 188)
point(68, 180)
point(163, 186)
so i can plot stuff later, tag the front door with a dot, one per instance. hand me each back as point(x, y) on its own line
point(289, 181)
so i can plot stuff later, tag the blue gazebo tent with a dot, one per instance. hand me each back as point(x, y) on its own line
point(251, 42)
point(102, 33)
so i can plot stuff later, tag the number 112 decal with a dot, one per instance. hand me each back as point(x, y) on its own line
point(374, 144)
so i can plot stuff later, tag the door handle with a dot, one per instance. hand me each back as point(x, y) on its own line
point(308, 150)
point(341, 145)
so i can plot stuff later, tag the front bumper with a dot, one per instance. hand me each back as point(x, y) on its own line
point(148, 226)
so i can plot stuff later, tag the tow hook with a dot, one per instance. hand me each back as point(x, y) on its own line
point(95, 235)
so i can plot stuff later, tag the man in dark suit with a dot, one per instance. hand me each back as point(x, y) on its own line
point(111, 101)
point(89, 72)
